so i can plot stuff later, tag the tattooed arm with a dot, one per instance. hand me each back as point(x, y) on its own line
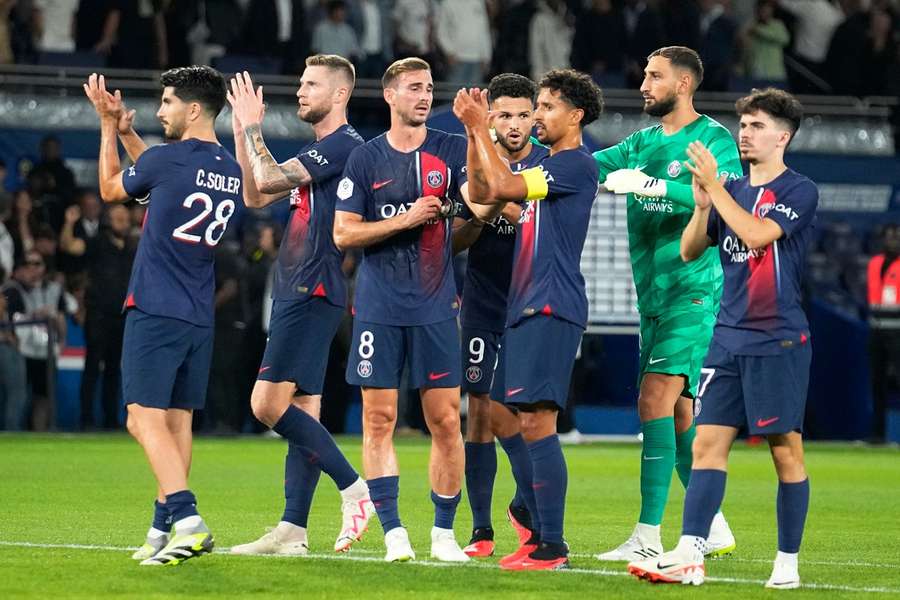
point(270, 176)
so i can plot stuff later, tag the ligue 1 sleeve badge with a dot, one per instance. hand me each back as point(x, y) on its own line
point(674, 168)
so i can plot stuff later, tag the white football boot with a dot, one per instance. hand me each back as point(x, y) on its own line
point(644, 543)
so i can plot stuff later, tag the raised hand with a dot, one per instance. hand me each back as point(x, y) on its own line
point(73, 213)
point(704, 167)
point(471, 107)
point(247, 103)
point(702, 198)
point(108, 106)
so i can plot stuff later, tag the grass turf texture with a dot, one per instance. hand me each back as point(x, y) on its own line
point(98, 491)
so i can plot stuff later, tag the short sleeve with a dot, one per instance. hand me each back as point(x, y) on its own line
point(326, 158)
point(146, 173)
point(353, 188)
point(567, 173)
point(712, 226)
point(796, 208)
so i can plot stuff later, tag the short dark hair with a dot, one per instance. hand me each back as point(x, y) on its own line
point(776, 103)
point(403, 65)
point(334, 62)
point(197, 83)
point(511, 85)
point(683, 58)
point(578, 89)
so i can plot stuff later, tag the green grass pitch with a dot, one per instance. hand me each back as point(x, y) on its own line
point(72, 506)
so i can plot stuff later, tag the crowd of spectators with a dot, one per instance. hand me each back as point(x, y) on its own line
point(845, 47)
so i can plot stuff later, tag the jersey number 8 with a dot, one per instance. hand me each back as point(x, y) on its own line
point(215, 230)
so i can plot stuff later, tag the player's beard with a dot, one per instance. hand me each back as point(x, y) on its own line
point(314, 115)
point(173, 131)
point(511, 148)
point(661, 108)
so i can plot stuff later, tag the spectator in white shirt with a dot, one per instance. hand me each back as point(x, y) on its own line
point(815, 23)
point(56, 23)
point(550, 38)
point(464, 36)
point(413, 22)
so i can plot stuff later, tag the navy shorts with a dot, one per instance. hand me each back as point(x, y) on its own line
point(165, 361)
point(479, 358)
point(536, 360)
point(767, 394)
point(300, 335)
point(378, 353)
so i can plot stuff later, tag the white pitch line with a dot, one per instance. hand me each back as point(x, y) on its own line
point(471, 565)
point(823, 563)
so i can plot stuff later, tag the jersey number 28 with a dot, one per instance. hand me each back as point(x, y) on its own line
point(215, 230)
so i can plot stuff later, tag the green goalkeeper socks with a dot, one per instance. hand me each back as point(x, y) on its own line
point(657, 462)
point(684, 456)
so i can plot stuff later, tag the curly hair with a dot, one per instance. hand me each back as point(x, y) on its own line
point(578, 89)
point(197, 84)
point(776, 103)
point(511, 85)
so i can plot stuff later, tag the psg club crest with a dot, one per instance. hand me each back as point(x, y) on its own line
point(364, 368)
point(473, 374)
point(435, 179)
point(698, 405)
point(674, 168)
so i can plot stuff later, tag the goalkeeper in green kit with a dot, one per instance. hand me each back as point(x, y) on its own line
point(677, 301)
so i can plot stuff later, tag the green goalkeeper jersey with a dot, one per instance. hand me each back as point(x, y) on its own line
point(662, 280)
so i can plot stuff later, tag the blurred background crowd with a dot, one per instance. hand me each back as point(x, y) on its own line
point(845, 47)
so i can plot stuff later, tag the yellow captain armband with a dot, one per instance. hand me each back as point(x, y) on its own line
point(536, 183)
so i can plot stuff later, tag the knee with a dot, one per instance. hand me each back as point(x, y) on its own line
point(378, 423)
point(444, 425)
point(263, 409)
point(705, 449)
point(133, 426)
point(789, 464)
point(537, 425)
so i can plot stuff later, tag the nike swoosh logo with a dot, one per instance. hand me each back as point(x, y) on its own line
point(381, 184)
point(641, 168)
point(263, 369)
point(766, 422)
point(653, 361)
point(664, 567)
point(436, 376)
point(652, 457)
point(513, 392)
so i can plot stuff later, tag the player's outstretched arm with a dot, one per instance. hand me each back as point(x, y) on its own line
point(756, 233)
point(694, 239)
point(111, 105)
point(270, 176)
point(351, 231)
point(490, 179)
point(466, 232)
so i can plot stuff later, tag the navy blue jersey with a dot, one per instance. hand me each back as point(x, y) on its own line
point(407, 279)
point(760, 312)
point(309, 264)
point(489, 268)
point(194, 189)
point(546, 274)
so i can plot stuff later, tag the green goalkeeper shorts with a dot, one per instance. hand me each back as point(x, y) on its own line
point(675, 343)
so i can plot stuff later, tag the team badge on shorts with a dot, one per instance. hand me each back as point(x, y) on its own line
point(435, 179)
point(674, 168)
point(364, 368)
point(698, 405)
point(473, 374)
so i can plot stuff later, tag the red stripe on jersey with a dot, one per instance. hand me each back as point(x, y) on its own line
point(298, 227)
point(433, 243)
point(762, 303)
point(522, 266)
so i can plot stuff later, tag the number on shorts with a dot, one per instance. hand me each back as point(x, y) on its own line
point(706, 376)
point(476, 350)
point(366, 344)
point(224, 211)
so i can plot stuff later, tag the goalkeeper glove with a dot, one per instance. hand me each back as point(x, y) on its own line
point(635, 181)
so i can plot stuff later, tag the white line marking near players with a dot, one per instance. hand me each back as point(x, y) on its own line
point(470, 565)
point(824, 563)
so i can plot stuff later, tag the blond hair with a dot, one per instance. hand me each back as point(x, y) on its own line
point(404, 65)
